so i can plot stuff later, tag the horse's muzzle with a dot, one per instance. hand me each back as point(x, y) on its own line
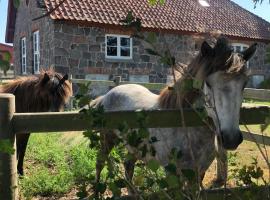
point(231, 140)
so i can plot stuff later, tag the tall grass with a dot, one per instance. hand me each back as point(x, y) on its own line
point(55, 164)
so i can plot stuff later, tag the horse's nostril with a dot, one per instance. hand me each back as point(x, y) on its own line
point(231, 140)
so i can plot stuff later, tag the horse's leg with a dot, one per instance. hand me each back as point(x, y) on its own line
point(107, 141)
point(222, 168)
point(129, 171)
point(129, 168)
point(21, 141)
point(202, 174)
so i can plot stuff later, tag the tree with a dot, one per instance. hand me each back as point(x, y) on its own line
point(5, 58)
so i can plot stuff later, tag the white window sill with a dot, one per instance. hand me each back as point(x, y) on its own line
point(118, 59)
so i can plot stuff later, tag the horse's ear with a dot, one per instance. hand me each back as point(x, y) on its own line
point(63, 79)
point(45, 79)
point(206, 49)
point(248, 53)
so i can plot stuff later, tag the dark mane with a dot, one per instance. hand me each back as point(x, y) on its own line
point(221, 59)
point(38, 93)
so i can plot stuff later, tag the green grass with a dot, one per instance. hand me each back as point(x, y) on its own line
point(257, 102)
point(55, 164)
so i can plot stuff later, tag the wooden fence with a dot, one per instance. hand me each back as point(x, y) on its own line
point(12, 123)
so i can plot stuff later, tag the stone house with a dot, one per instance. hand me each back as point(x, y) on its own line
point(85, 38)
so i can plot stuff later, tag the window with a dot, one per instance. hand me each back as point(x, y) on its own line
point(238, 48)
point(36, 52)
point(23, 55)
point(256, 80)
point(118, 47)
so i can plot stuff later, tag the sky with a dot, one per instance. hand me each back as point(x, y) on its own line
point(262, 10)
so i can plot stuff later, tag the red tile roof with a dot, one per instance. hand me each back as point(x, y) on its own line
point(174, 15)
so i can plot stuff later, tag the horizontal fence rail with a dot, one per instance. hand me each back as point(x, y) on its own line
point(74, 121)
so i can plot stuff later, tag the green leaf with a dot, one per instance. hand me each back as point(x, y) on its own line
point(152, 52)
point(162, 183)
point(172, 181)
point(143, 133)
point(6, 146)
point(153, 165)
point(120, 183)
point(6, 56)
point(151, 38)
point(171, 168)
point(115, 190)
point(189, 174)
point(100, 187)
point(16, 3)
point(150, 182)
point(197, 84)
point(187, 85)
point(4, 65)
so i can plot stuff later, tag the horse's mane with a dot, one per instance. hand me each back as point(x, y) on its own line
point(223, 59)
point(32, 95)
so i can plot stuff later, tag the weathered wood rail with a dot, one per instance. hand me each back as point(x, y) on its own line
point(12, 123)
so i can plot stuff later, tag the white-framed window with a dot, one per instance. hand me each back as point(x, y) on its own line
point(23, 55)
point(118, 46)
point(36, 51)
point(238, 48)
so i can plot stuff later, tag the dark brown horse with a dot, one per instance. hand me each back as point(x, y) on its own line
point(48, 91)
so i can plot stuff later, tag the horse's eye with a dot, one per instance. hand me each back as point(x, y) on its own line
point(207, 84)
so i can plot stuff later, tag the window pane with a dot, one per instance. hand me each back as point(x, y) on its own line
point(125, 42)
point(125, 51)
point(111, 41)
point(111, 51)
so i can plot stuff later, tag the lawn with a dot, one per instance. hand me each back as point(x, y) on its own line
point(55, 164)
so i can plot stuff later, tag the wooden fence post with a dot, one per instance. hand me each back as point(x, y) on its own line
point(117, 80)
point(8, 165)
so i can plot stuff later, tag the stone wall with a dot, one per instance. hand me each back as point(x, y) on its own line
point(81, 51)
point(25, 28)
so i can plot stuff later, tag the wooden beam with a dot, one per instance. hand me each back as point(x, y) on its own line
point(74, 121)
point(8, 164)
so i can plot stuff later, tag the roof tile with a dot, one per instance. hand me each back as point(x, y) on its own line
point(177, 15)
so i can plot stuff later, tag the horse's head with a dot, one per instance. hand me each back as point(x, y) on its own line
point(54, 90)
point(224, 74)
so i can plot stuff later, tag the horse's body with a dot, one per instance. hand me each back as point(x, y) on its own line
point(48, 91)
point(134, 97)
point(223, 75)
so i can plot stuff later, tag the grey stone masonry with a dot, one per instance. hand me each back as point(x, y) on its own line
point(81, 51)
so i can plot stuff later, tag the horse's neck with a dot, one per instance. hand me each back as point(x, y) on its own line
point(178, 95)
